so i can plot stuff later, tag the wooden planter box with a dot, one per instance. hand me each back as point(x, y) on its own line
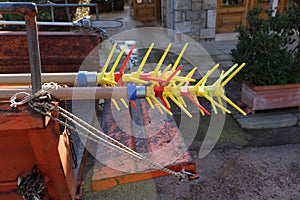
point(270, 97)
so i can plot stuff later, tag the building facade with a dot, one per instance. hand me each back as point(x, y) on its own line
point(203, 19)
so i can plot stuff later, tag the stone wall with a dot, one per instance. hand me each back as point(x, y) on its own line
point(196, 18)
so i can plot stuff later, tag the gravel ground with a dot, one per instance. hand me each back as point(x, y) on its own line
point(249, 173)
point(227, 174)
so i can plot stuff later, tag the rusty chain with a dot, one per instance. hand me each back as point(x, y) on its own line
point(32, 187)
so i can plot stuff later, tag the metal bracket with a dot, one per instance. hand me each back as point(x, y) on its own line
point(189, 176)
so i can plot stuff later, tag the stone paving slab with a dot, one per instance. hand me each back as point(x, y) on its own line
point(298, 117)
point(268, 121)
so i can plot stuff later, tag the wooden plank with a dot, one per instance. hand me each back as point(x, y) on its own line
point(229, 16)
point(145, 11)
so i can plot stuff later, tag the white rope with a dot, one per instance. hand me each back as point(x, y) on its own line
point(117, 146)
point(88, 131)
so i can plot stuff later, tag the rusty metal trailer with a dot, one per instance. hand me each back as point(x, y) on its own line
point(34, 149)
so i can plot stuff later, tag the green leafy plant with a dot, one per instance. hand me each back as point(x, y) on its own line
point(43, 15)
point(270, 47)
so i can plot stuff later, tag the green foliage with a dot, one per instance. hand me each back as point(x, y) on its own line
point(43, 15)
point(270, 47)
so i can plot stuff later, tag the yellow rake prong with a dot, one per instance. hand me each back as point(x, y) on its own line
point(149, 102)
point(233, 74)
point(204, 78)
point(221, 103)
point(229, 71)
point(189, 75)
point(109, 58)
point(145, 58)
point(162, 59)
point(181, 106)
point(216, 103)
point(196, 99)
point(115, 104)
point(117, 60)
point(167, 102)
point(180, 56)
point(234, 105)
point(124, 103)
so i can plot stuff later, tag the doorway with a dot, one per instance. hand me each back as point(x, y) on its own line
point(231, 13)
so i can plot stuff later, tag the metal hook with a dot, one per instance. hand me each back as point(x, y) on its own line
point(188, 176)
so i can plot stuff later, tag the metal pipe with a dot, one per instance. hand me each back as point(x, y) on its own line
point(42, 23)
point(34, 51)
point(24, 79)
point(173, 19)
point(172, 15)
point(73, 93)
point(68, 11)
point(97, 12)
point(18, 8)
point(30, 11)
point(66, 5)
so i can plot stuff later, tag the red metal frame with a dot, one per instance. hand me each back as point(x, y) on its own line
point(27, 139)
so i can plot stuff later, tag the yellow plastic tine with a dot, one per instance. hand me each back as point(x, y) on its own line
point(163, 57)
point(167, 102)
point(196, 99)
point(117, 60)
point(115, 104)
point(108, 81)
point(233, 74)
point(159, 108)
point(124, 103)
point(138, 81)
point(180, 56)
point(184, 79)
point(163, 107)
point(109, 58)
point(165, 70)
point(215, 103)
point(156, 103)
point(218, 81)
point(224, 75)
point(233, 105)
point(221, 103)
point(181, 100)
point(214, 107)
point(189, 75)
point(229, 71)
point(207, 75)
point(149, 102)
point(145, 58)
point(181, 106)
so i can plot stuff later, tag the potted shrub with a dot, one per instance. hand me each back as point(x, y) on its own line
point(270, 48)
